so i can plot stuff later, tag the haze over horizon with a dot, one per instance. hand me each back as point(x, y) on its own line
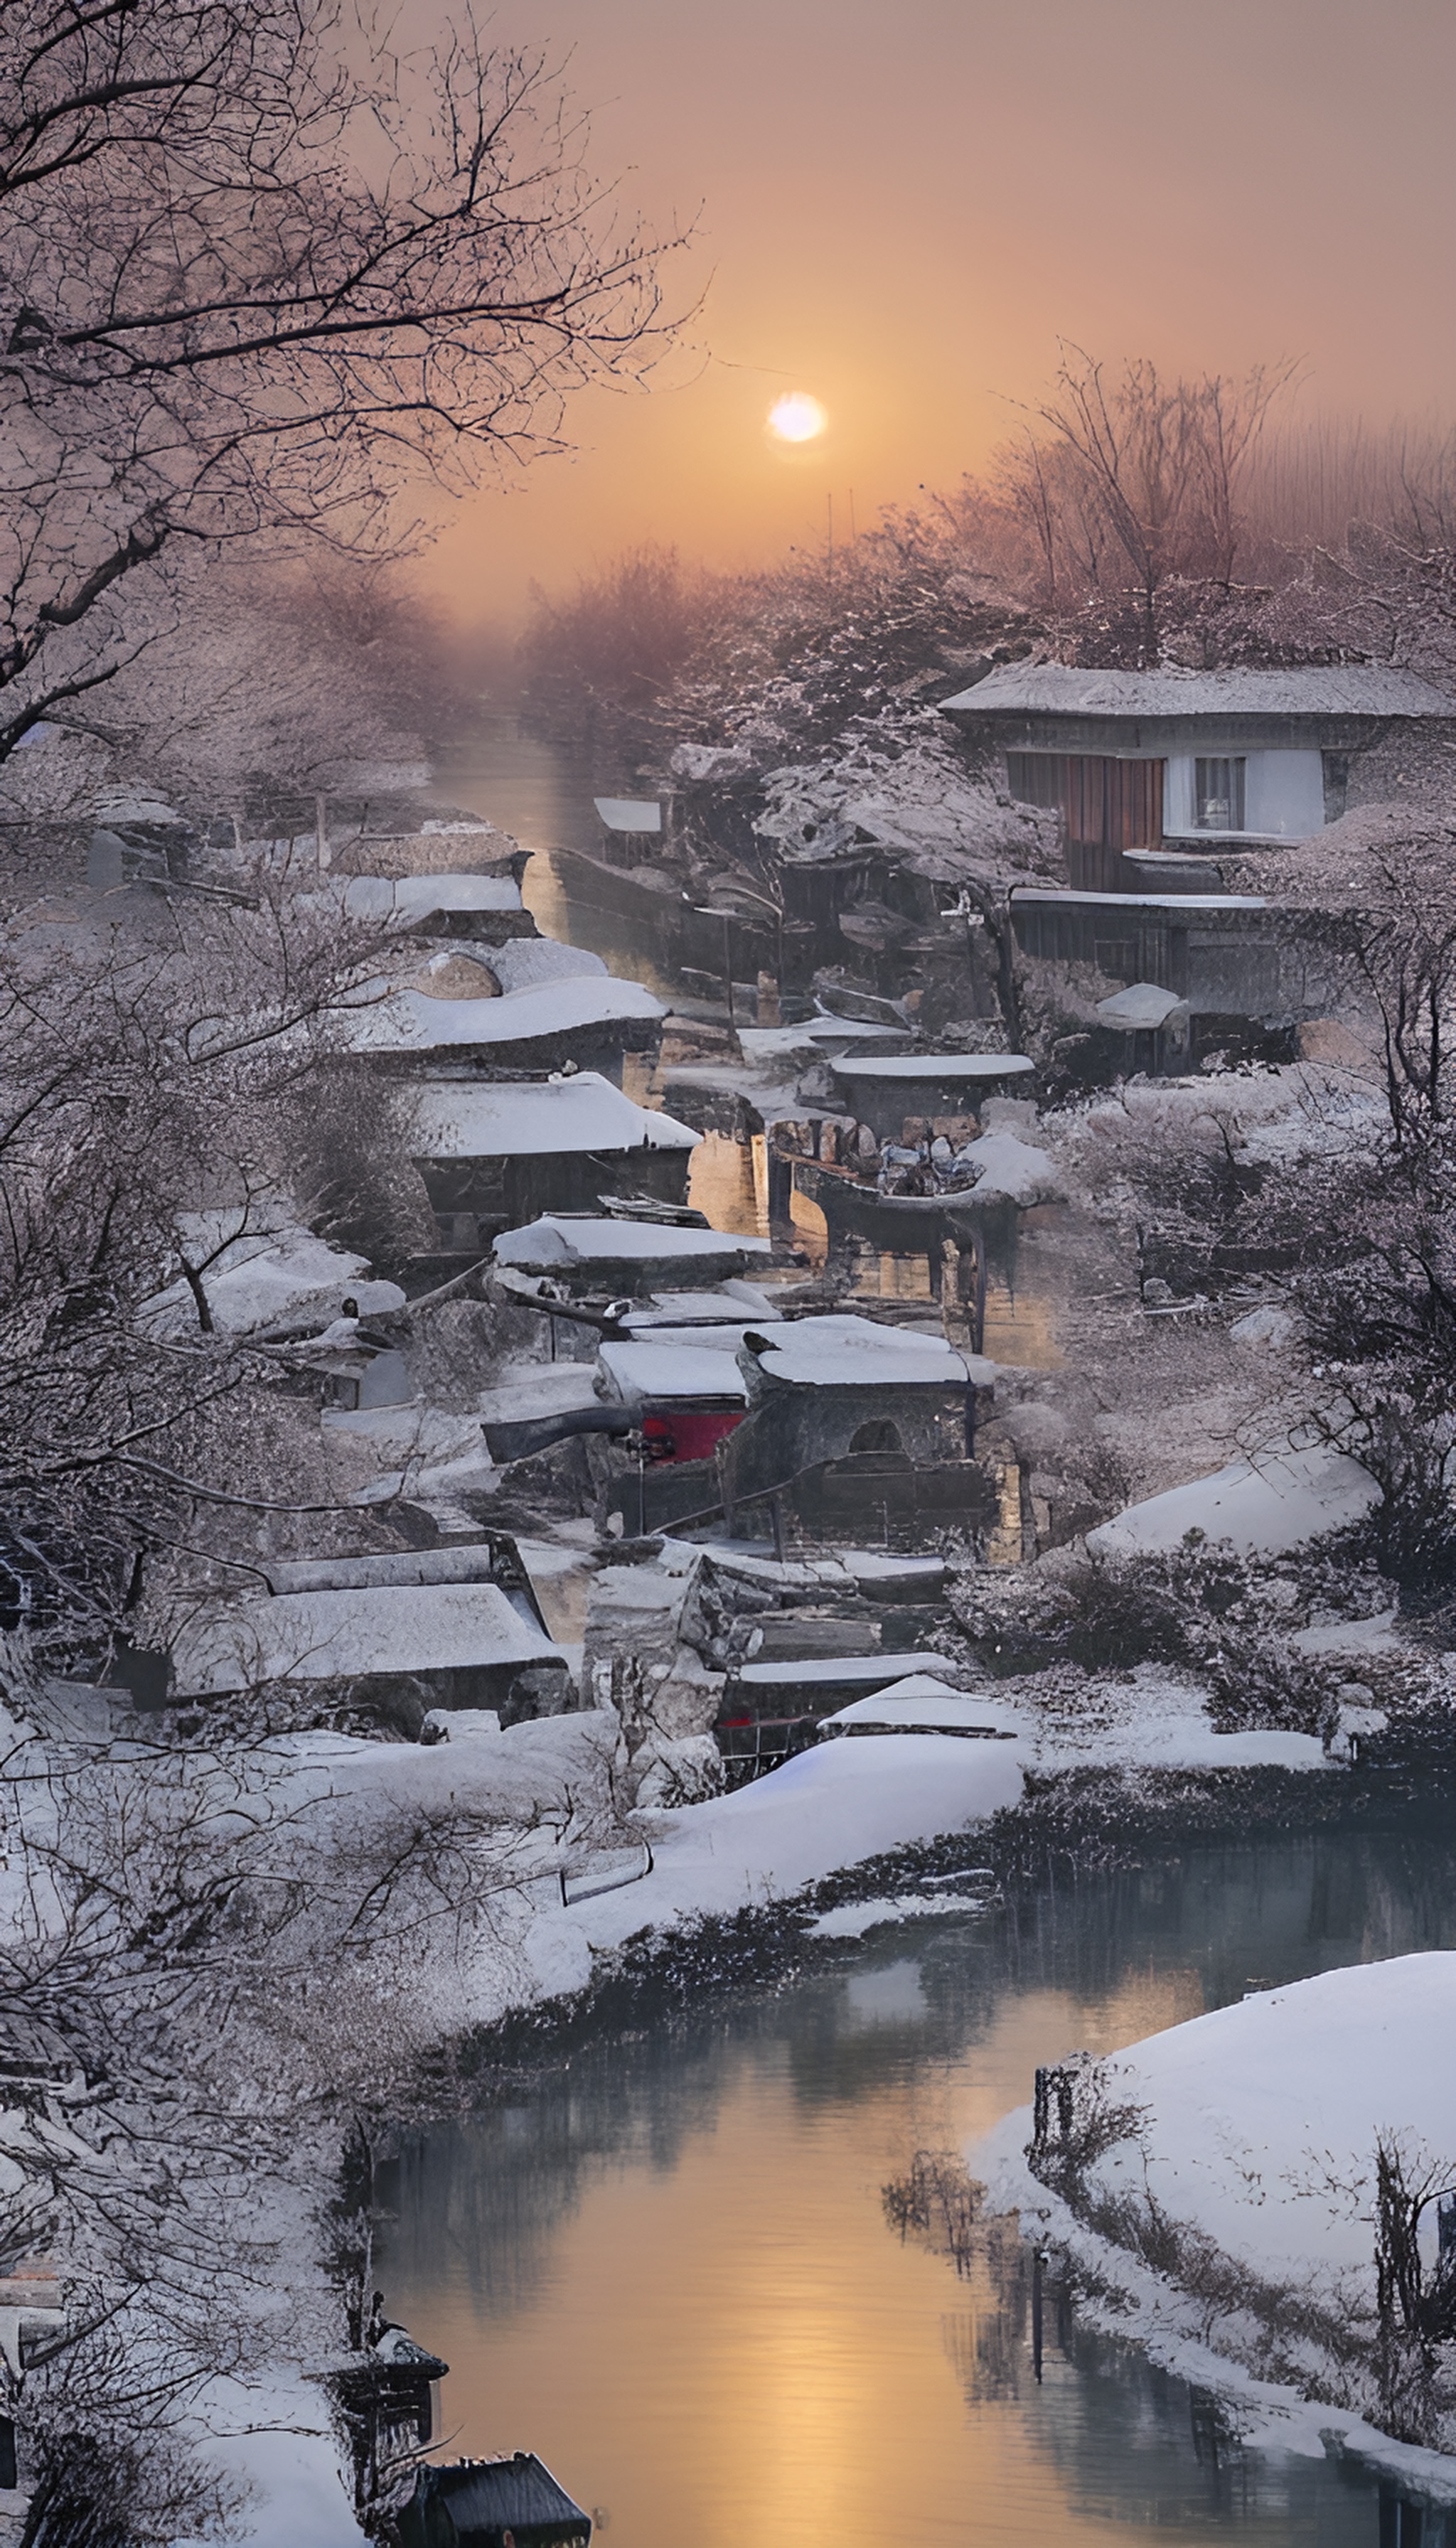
point(901, 222)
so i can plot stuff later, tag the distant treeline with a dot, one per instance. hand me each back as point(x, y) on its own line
point(1130, 520)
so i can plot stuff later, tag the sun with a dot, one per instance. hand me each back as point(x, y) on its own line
point(796, 418)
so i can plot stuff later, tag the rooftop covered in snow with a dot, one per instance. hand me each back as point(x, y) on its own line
point(283, 1278)
point(415, 897)
point(409, 1022)
point(356, 1634)
point(620, 1250)
point(732, 1305)
point(923, 1703)
point(660, 1372)
point(629, 813)
point(867, 1671)
point(843, 1352)
point(1142, 1004)
point(1300, 690)
point(465, 1119)
point(975, 1069)
point(1190, 904)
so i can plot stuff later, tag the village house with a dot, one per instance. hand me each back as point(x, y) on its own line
point(512, 2503)
point(495, 1153)
point(883, 1089)
point(419, 1646)
point(686, 1394)
point(586, 1019)
point(629, 1260)
point(481, 909)
point(1156, 777)
point(769, 1710)
point(1151, 769)
point(849, 1422)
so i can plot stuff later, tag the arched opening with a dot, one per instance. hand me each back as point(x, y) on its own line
point(878, 1437)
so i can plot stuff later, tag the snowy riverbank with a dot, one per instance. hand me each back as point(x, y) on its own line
point(1214, 2190)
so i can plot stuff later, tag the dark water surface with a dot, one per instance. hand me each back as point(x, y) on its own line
point(664, 2265)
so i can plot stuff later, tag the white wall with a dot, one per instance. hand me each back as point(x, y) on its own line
point(1284, 795)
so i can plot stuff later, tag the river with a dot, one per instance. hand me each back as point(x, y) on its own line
point(663, 2264)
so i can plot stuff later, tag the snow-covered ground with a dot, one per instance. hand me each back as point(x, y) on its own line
point(1254, 2128)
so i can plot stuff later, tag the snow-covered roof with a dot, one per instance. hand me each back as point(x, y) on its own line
point(733, 1305)
point(1280, 1503)
point(974, 1069)
point(876, 1672)
point(629, 813)
point(815, 1035)
point(521, 962)
point(1143, 1004)
point(344, 1635)
point(714, 1338)
point(564, 1238)
point(415, 897)
point(465, 1119)
point(1064, 897)
point(924, 1700)
point(410, 1021)
point(842, 1352)
point(666, 1371)
point(1306, 690)
point(269, 1280)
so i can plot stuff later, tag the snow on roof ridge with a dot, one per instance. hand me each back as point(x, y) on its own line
point(514, 1119)
point(1296, 689)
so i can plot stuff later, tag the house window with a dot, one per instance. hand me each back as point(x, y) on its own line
point(1218, 795)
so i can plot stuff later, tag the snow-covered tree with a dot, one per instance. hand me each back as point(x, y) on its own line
point(260, 271)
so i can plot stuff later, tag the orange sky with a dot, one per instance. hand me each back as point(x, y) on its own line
point(905, 202)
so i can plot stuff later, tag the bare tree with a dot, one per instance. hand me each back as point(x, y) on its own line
point(1137, 483)
point(258, 270)
point(153, 1102)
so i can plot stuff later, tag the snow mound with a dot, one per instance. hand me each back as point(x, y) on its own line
point(1263, 2119)
point(1007, 1167)
point(1281, 1503)
point(1265, 1327)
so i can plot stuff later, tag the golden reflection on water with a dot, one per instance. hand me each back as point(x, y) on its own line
point(731, 2346)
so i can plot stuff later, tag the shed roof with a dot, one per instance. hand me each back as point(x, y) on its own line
point(565, 1240)
point(842, 1352)
point(410, 1021)
point(481, 2499)
point(974, 1069)
point(464, 1119)
point(415, 897)
point(732, 1305)
point(629, 813)
point(1143, 1004)
point(869, 1672)
point(922, 1701)
point(662, 1372)
point(1306, 690)
point(345, 1635)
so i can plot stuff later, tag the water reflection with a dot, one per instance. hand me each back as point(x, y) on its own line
point(665, 2264)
